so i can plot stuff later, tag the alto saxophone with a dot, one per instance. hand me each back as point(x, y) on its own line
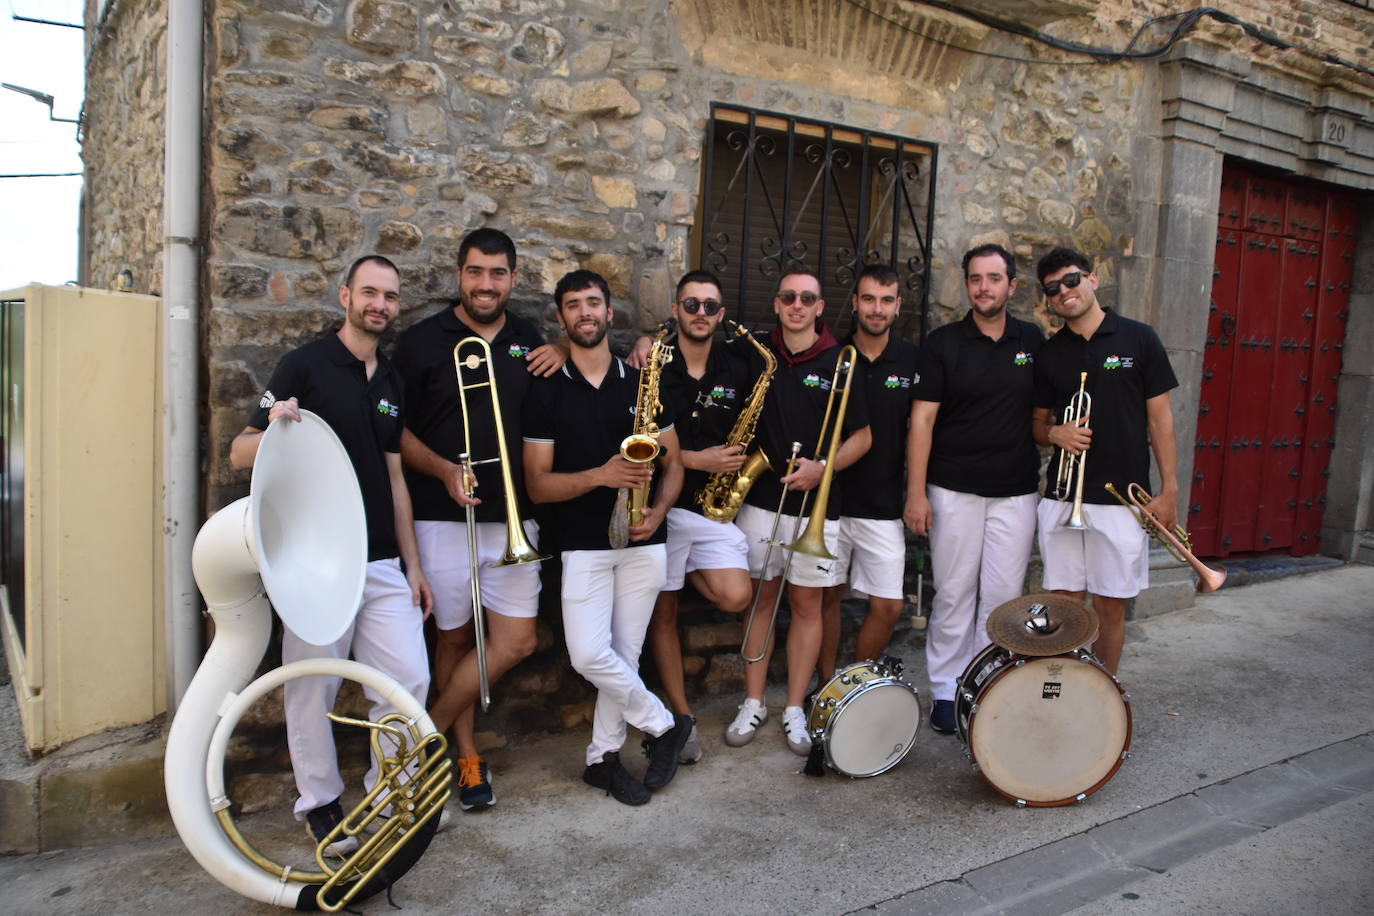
point(724, 492)
point(641, 445)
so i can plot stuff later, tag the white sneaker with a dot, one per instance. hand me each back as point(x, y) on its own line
point(691, 751)
point(794, 728)
point(751, 715)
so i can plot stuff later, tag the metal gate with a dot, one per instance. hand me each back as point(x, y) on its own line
point(1271, 364)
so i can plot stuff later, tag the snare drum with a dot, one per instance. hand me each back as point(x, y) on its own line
point(866, 718)
point(1043, 731)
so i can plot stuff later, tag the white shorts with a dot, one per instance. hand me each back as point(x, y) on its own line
point(1111, 558)
point(511, 591)
point(873, 555)
point(696, 542)
point(807, 571)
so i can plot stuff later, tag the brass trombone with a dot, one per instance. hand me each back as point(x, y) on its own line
point(812, 540)
point(518, 549)
point(1177, 542)
point(1072, 468)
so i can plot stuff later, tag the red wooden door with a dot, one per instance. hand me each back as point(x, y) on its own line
point(1271, 364)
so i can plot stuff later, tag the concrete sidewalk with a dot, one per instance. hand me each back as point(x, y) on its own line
point(1250, 681)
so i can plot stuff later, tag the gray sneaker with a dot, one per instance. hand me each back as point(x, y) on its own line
point(691, 751)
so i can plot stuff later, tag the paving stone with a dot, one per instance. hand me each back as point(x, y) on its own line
point(1050, 879)
point(1161, 837)
point(1270, 796)
point(948, 898)
point(1349, 763)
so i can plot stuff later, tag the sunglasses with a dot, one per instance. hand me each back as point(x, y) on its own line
point(1068, 281)
point(808, 299)
point(694, 305)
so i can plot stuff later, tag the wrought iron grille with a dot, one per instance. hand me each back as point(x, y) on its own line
point(782, 191)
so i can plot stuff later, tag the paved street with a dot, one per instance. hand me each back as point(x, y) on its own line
point(1248, 790)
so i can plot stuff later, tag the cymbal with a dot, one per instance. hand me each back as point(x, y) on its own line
point(1042, 624)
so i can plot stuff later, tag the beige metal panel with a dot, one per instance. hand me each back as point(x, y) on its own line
point(93, 657)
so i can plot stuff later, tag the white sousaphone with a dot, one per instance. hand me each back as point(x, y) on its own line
point(299, 538)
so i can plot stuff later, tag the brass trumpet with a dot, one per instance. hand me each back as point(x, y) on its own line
point(1177, 542)
point(518, 549)
point(812, 540)
point(1072, 468)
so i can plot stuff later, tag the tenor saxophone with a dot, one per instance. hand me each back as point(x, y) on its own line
point(724, 491)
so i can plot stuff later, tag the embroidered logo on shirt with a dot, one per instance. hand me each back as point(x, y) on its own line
point(388, 409)
point(268, 399)
point(517, 350)
point(1112, 362)
point(812, 380)
point(1023, 358)
point(720, 391)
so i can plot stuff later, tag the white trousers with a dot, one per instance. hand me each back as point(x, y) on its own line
point(608, 599)
point(979, 549)
point(387, 634)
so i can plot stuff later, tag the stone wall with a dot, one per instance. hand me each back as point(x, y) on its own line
point(121, 148)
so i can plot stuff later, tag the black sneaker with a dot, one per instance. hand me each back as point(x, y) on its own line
point(474, 783)
point(321, 821)
point(612, 776)
point(663, 753)
point(942, 717)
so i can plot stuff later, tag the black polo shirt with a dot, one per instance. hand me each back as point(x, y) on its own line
point(1126, 365)
point(586, 426)
point(874, 485)
point(424, 357)
point(325, 378)
point(982, 441)
point(705, 409)
point(793, 412)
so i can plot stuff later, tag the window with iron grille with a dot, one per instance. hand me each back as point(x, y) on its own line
point(781, 191)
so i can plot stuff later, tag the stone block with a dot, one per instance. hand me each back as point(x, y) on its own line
point(1051, 879)
point(406, 78)
point(383, 25)
point(537, 44)
point(289, 231)
point(1270, 796)
point(948, 898)
point(1168, 835)
point(569, 226)
point(19, 826)
point(1349, 764)
point(118, 802)
point(396, 237)
point(702, 636)
point(614, 192)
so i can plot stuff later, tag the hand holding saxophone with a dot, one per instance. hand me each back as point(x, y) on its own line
point(718, 459)
point(651, 517)
point(620, 473)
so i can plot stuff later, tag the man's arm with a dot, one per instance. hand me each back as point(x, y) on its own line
point(916, 513)
point(545, 485)
point(404, 520)
point(808, 474)
point(420, 457)
point(1160, 418)
point(243, 449)
point(546, 360)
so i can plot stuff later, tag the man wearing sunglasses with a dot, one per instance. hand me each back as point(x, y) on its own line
point(793, 412)
point(973, 468)
point(704, 387)
point(1129, 380)
point(872, 547)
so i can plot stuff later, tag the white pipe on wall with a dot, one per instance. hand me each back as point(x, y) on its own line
point(181, 341)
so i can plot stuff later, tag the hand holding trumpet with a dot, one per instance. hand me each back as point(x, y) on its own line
point(1075, 436)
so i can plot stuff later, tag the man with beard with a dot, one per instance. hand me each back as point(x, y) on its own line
point(431, 445)
point(706, 384)
point(972, 468)
point(872, 552)
point(1129, 380)
point(793, 412)
point(574, 423)
point(343, 378)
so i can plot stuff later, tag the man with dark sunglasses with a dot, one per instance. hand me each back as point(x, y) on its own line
point(973, 468)
point(704, 387)
point(1129, 379)
point(793, 412)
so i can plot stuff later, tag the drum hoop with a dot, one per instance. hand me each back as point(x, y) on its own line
point(1087, 658)
point(834, 717)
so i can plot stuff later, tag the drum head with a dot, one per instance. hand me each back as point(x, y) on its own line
point(1050, 730)
point(874, 728)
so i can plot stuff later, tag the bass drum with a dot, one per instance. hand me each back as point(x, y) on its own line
point(865, 718)
point(1043, 731)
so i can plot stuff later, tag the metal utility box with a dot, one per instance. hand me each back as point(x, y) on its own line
point(80, 505)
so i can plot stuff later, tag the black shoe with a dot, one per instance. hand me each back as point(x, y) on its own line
point(474, 784)
point(610, 775)
point(942, 717)
point(663, 752)
point(321, 821)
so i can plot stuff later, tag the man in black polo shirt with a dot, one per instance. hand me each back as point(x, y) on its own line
point(872, 546)
point(431, 445)
point(1129, 380)
point(807, 354)
point(574, 423)
point(343, 378)
point(706, 384)
point(973, 468)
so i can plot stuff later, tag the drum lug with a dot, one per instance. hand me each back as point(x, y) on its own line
point(1078, 799)
point(844, 679)
point(1126, 695)
point(1020, 662)
point(1020, 803)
